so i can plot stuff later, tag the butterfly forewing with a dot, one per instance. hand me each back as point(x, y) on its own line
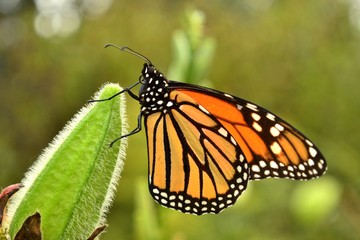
point(194, 165)
point(272, 147)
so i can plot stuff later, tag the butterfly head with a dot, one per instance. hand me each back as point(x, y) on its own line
point(154, 92)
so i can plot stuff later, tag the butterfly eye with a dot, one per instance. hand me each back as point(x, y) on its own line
point(142, 80)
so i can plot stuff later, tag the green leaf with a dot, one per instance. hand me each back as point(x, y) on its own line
point(72, 183)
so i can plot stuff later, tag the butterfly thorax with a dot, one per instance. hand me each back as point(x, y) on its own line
point(154, 92)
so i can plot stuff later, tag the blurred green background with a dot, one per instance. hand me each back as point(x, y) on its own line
point(299, 59)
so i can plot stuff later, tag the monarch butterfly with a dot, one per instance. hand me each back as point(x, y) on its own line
point(205, 145)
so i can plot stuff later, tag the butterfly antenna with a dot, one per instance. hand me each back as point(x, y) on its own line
point(129, 50)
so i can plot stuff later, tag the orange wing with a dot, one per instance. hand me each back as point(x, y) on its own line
point(195, 165)
point(272, 147)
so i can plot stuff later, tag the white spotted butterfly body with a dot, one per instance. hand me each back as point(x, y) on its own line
point(205, 145)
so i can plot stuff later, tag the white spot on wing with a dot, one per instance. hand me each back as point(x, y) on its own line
point(275, 148)
point(279, 127)
point(320, 165)
point(255, 116)
point(245, 175)
point(274, 132)
point(228, 95)
point(233, 140)
point(262, 164)
point(312, 151)
point(257, 127)
point(309, 143)
point(274, 165)
point(255, 168)
point(311, 162)
point(203, 109)
point(252, 107)
point(301, 167)
point(256, 175)
point(270, 116)
point(223, 132)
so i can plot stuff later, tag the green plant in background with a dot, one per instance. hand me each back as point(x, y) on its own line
point(73, 182)
point(322, 198)
point(146, 221)
point(192, 50)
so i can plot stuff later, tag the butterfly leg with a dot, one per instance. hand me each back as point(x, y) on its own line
point(128, 90)
point(136, 130)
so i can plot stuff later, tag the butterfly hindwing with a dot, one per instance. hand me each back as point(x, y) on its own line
point(195, 165)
